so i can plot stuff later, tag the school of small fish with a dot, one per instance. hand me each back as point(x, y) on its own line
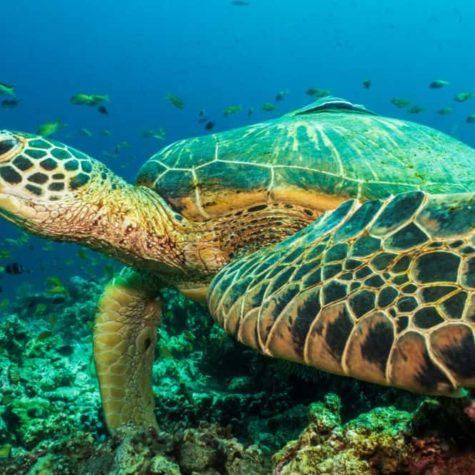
point(98, 101)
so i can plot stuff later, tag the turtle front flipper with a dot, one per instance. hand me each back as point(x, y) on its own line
point(124, 349)
point(382, 291)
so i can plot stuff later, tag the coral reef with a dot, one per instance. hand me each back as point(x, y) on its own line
point(207, 450)
point(437, 438)
point(222, 408)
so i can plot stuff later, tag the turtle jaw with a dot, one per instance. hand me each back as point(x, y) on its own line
point(13, 207)
point(21, 212)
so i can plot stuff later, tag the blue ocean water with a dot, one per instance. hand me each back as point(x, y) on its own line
point(212, 54)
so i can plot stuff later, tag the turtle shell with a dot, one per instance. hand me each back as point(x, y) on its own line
point(316, 156)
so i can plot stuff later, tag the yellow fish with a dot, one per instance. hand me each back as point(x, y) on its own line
point(5, 449)
point(230, 110)
point(43, 335)
point(268, 107)
point(317, 92)
point(40, 309)
point(463, 96)
point(85, 132)
point(158, 134)
point(6, 89)
point(24, 238)
point(57, 290)
point(175, 101)
point(49, 128)
point(109, 270)
point(89, 99)
point(81, 253)
point(5, 253)
point(54, 281)
point(400, 102)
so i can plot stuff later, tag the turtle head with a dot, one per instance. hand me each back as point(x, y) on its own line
point(59, 193)
point(40, 181)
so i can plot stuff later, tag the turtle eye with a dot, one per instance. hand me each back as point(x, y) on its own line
point(7, 143)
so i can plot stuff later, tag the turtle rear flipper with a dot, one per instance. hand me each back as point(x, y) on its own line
point(124, 349)
point(382, 291)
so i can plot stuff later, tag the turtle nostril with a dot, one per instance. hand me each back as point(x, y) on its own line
point(6, 145)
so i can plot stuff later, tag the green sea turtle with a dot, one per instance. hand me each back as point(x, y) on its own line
point(330, 236)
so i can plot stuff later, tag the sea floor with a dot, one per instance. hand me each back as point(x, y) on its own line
point(222, 408)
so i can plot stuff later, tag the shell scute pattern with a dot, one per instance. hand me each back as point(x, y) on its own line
point(151, 171)
point(423, 373)
point(182, 180)
point(325, 344)
point(453, 307)
point(358, 221)
point(305, 314)
point(369, 347)
point(400, 210)
point(326, 151)
point(362, 302)
point(441, 221)
point(468, 275)
point(402, 319)
point(365, 246)
point(375, 281)
point(220, 175)
point(409, 236)
point(337, 252)
point(314, 180)
point(330, 270)
point(387, 296)
point(455, 346)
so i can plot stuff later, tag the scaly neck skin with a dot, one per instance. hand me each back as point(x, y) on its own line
point(135, 226)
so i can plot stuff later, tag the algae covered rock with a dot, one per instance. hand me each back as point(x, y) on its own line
point(207, 450)
point(162, 466)
point(49, 387)
point(435, 439)
point(213, 450)
point(372, 443)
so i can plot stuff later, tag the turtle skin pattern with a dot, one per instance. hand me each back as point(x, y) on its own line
point(47, 168)
point(382, 291)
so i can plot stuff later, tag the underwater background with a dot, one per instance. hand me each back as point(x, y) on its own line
point(214, 54)
point(171, 70)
